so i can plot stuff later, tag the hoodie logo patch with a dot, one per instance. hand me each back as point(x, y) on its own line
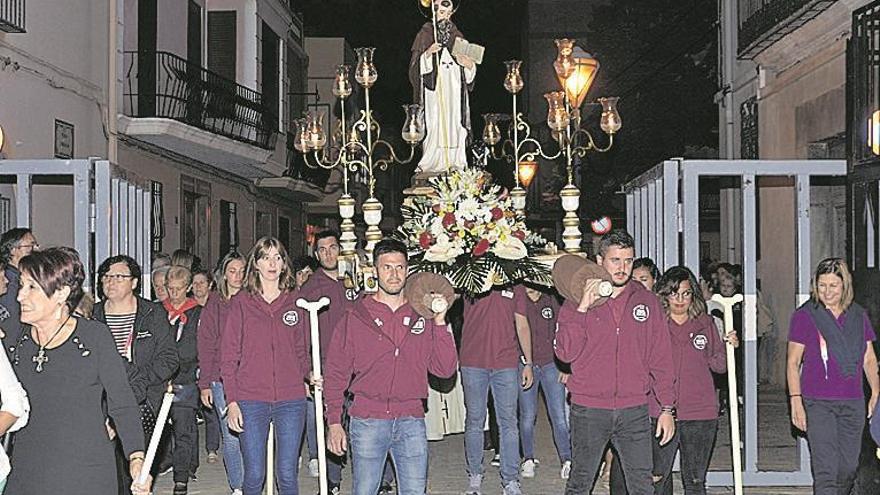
point(641, 313)
point(418, 327)
point(351, 294)
point(700, 342)
point(290, 318)
point(547, 313)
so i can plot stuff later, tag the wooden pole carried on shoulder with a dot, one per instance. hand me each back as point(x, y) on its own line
point(732, 398)
point(318, 395)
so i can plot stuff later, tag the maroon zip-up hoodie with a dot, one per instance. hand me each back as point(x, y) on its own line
point(211, 321)
point(383, 358)
point(618, 351)
point(264, 352)
point(697, 351)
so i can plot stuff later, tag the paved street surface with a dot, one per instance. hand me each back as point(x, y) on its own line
point(447, 468)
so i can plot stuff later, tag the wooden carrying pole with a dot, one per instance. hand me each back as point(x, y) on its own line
point(270, 461)
point(161, 420)
point(318, 395)
point(732, 400)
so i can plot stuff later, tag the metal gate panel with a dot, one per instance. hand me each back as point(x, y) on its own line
point(664, 219)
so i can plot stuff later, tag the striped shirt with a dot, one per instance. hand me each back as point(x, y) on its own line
point(121, 327)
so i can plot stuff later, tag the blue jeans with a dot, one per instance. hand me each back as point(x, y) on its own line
point(505, 387)
point(371, 442)
point(231, 447)
point(547, 377)
point(288, 418)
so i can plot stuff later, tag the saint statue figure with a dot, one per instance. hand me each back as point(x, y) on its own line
point(441, 83)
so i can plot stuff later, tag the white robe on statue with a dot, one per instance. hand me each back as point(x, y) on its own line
point(445, 144)
point(446, 412)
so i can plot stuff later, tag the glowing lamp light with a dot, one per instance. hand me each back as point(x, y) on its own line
point(527, 171)
point(874, 133)
point(576, 72)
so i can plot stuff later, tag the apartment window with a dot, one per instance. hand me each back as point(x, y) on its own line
point(284, 232)
point(229, 240)
point(263, 227)
point(270, 76)
point(195, 217)
point(297, 72)
point(222, 43)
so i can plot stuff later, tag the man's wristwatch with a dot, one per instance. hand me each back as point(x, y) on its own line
point(668, 410)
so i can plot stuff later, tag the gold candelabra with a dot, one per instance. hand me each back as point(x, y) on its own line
point(360, 148)
point(576, 71)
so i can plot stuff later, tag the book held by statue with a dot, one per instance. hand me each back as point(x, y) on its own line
point(472, 50)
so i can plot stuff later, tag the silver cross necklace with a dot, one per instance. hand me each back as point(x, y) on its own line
point(40, 357)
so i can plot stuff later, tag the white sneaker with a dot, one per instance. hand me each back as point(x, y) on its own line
point(314, 472)
point(512, 488)
point(565, 472)
point(475, 483)
point(527, 470)
point(237, 491)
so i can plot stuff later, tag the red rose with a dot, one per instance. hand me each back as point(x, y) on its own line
point(469, 225)
point(481, 247)
point(426, 240)
point(448, 220)
point(497, 213)
point(519, 234)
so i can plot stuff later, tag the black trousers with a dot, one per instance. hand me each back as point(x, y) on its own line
point(696, 440)
point(628, 430)
point(184, 433)
point(834, 432)
point(212, 430)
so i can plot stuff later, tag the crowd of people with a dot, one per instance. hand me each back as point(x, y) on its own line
point(629, 378)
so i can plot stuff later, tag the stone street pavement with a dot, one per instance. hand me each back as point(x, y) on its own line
point(447, 466)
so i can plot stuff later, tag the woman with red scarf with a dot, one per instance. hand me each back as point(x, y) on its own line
point(183, 313)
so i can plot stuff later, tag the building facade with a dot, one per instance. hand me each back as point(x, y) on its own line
point(193, 99)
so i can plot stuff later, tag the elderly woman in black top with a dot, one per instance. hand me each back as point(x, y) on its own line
point(142, 335)
point(67, 365)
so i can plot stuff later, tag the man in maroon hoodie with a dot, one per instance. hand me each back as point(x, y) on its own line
point(618, 352)
point(382, 352)
point(325, 282)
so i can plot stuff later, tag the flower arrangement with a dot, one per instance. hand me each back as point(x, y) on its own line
point(468, 231)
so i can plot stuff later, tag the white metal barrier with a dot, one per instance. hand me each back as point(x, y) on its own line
point(105, 203)
point(663, 213)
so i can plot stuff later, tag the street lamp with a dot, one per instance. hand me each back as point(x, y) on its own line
point(576, 70)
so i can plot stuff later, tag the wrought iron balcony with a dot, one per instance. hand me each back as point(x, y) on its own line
point(297, 168)
point(163, 85)
point(764, 22)
point(12, 16)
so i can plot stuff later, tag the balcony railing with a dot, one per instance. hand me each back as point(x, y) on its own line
point(161, 84)
point(297, 168)
point(12, 16)
point(764, 22)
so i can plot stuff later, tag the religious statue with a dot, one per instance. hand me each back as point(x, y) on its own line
point(442, 72)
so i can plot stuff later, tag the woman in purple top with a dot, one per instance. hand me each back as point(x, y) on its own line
point(828, 349)
point(229, 278)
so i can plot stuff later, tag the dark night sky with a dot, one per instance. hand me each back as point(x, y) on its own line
point(658, 55)
point(391, 25)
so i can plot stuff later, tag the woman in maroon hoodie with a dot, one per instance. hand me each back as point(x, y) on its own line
point(229, 277)
point(697, 351)
point(263, 364)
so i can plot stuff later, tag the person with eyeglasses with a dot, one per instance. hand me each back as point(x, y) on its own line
point(697, 352)
point(15, 244)
point(143, 338)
